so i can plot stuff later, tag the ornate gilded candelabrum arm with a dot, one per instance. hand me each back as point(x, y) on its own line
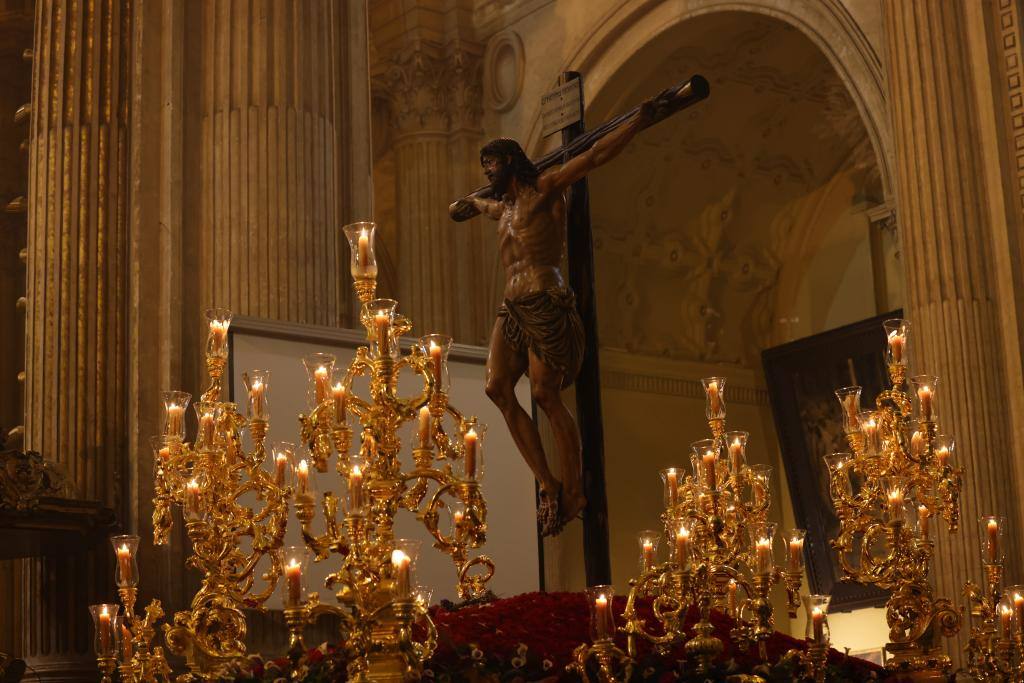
point(601, 660)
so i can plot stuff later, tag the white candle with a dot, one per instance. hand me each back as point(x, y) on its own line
point(124, 563)
point(992, 541)
point(683, 548)
point(381, 321)
point(364, 250)
point(435, 360)
point(818, 620)
point(924, 395)
point(256, 399)
point(424, 427)
point(736, 455)
point(280, 463)
point(764, 555)
point(895, 504)
point(218, 335)
point(923, 517)
point(672, 479)
point(105, 631)
point(338, 393)
point(896, 344)
point(648, 552)
point(322, 380)
point(355, 488)
point(710, 470)
point(602, 616)
point(302, 474)
point(174, 415)
point(714, 398)
point(207, 425)
point(796, 553)
point(293, 574)
point(193, 501)
point(470, 441)
point(401, 564)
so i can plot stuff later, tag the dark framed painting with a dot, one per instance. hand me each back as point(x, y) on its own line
point(801, 377)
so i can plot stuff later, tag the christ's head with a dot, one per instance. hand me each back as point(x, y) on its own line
point(503, 159)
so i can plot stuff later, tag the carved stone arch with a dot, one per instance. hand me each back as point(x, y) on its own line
point(827, 23)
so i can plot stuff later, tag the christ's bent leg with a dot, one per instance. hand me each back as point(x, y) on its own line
point(546, 385)
point(505, 366)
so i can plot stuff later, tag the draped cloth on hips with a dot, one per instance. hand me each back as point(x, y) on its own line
point(548, 324)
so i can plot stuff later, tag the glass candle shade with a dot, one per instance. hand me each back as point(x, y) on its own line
point(795, 550)
point(648, 541)
point(357, 496)
point(600, 600)
point(924, 522)
point(870, 428)
point(762, 543)
point(1015, 599)
point(175, 405)
point(736, 443)
point(380, 315)
point(894, 501)
point(1005, 614)
point(435, 348)
point(319, 368)
point(838, 465)
point(683, 550)
point(161, 454)
point(195, 503)
point(282, 461)
point(295, 560)
point(126, 574)
point(760, 484)
point(403, 564)
point(671, 479)
point(849, 402)
point(943, 448)
point(897, 334)
point(363, 261)
point(816, 630)
point(473, 451)
point(459, 521)
point(714, 393)
point(207, 414)
point(923, 389)
point(218, 320)
point(305, 480)
point(106, 620)
point(258, 388)
point(422, 595)
point(991, 530)
point(705, 463)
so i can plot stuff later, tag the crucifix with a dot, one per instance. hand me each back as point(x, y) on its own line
point(546, 328)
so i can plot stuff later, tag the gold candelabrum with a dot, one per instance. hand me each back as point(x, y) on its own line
point(235, 510)
point(373, 582)
point(723, 551)
point(601, 660)
point(995, 651)
point(886, 494)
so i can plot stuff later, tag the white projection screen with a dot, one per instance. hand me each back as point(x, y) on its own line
point(508, 484)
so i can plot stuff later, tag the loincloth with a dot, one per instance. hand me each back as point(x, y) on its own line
point(548, 324)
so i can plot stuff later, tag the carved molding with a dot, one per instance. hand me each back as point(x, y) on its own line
point(502, 95)
point(1009, 32)
point(672, 386)
point(25, 478)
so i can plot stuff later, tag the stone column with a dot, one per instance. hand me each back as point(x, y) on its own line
point(953, 295)
point(76, 319)
point(273, 97)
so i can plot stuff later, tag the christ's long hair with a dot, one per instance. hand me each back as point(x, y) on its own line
point(520, 164)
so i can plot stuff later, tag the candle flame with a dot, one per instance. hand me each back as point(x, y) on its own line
point(193, 484)
point(433, 346)
point(294, 564)
point(398, 557)
point(281, 457)
point(817, 611)
point(338, 386)
point(303, 466)
point(105, 612)
point(363, 233)
point(602, 599)
point(684, 532)
point(257, 384)
point(356, 472)
point(1005, 609)
point(123, 549)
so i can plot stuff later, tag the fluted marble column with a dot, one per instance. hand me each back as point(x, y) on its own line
point(76, 295)
point(271, 167)
point(947, 246)
point(435, 112)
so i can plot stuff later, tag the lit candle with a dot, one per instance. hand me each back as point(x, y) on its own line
point(457, 517)
point(165, 454)
point(174, 415)
point(280, 463)
point(364, 249)
point(338, 392)
point(683, 548)
point(736, 455)
point(672, 478)
point(293, 574)
point(1005, 615)
point(764, 555)
point(942, 455)
point(381, 321)
point(124, 563)
point(323, 382)
point(923, 517)
point(105, 631)
point(206, 424)
point(895, 505)
point(256, 398)
point(401, 563)
point(796, 553)
point(818, 622)
point(193, 499)
point(601, 616)
point(424, 427)
point(924, 395)
point(648, 552)
point(714, 398)
point(896, 343)
point(916, 443)
point(435, 359)
point(731, 604)
point(711, 474)
point(302, 475)
point(470, 442)
point(126, 645)
point(355, 488)
point(992, 541)
point(870, 431)
point(218, 335)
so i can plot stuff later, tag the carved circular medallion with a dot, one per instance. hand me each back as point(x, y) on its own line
point(503, 70)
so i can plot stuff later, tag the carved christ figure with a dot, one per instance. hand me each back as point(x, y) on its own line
point(538, 330)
